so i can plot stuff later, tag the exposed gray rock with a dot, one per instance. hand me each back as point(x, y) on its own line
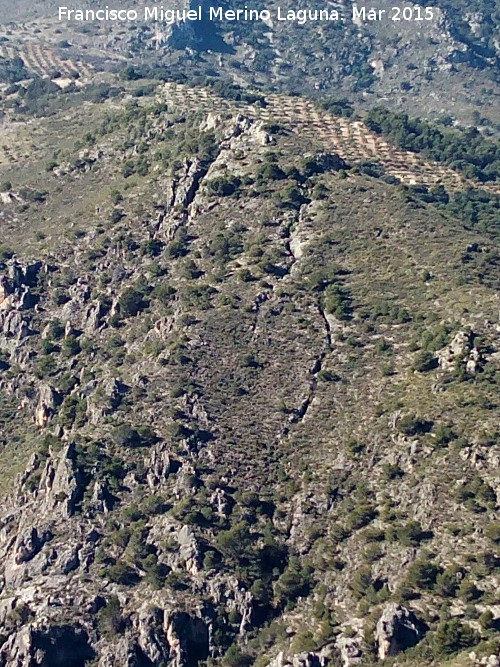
point(459, 346)
point(48, 400)
point(472, 362)
point(188, 183)
point(188, 638)
point(306, 659)
point(24, 274)
point(93, 317)
point(13, 325)
point(57, 646)
point(29, 542)
point(221, 502)
point(125, 653)
point(68, 560)
point(60, 484)
point(6, 289)
point(460, 350)
point(102, 501)
point(158, 466)
point(323, 162)
point(152, 639)
point(397, 629)
point(350, 651)
point(189, 550)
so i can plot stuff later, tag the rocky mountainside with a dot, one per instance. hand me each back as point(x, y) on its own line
point(446, 66)
point(248, 392)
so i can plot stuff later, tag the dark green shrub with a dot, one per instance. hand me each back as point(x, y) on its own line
point(157, 575)
point(474, 492)
point(487, 620)
point(270, 172)
point(424, 361)
point(337, 301)
point(116, 215)
point(361, 516)
point(411, 534)
point(109, 618)
point(154, 505)
point(393, 471)
point(152, 247)
point(354, 447)
point(293, 583)
point(70, 346)
point(232, 543)
point(468, 591)
point(422, 574)
point(411, 425)
point(126, 436)
point(493, 532)
point(234, 657)
point(224, 186)
point(132, 301)
point(447, 583)
point(163, 293)
point(443, 434)
point(453, 636)
point(361, 581)
point(121, 574)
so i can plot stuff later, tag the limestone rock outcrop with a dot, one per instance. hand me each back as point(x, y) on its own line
point(397, 629)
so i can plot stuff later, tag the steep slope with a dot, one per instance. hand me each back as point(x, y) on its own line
point(248, 401)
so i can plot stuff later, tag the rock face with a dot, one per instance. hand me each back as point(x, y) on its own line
point(47, 401)
point(188, 549)
point(459, 346)
point(55, 647)
point(188, 637)
point(159, 466)
point(306, 659)
point(29, 543)
point(326, 162)
point(350, 652)
point(5, 289)
point(397, 629)
point(461, 350)
point(60, 482)
point(152, 639)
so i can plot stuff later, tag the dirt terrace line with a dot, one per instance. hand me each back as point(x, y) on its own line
point(350, 139)
point(42, 61)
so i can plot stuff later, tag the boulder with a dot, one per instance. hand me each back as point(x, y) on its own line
point(68, 560)
point(305, 659)
point(397, 629)
point(57, 646)
point(5, 288)
point(158, 466)
point(102, 501)
point(92, 318)
point(48, 400)
point(60, 482)
point(152, 639)
point(350, 651)
point(29, 542)
point(458, 348)
point(187, 185)
point(189, 550)
point(221, 502)
point(188, 637)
